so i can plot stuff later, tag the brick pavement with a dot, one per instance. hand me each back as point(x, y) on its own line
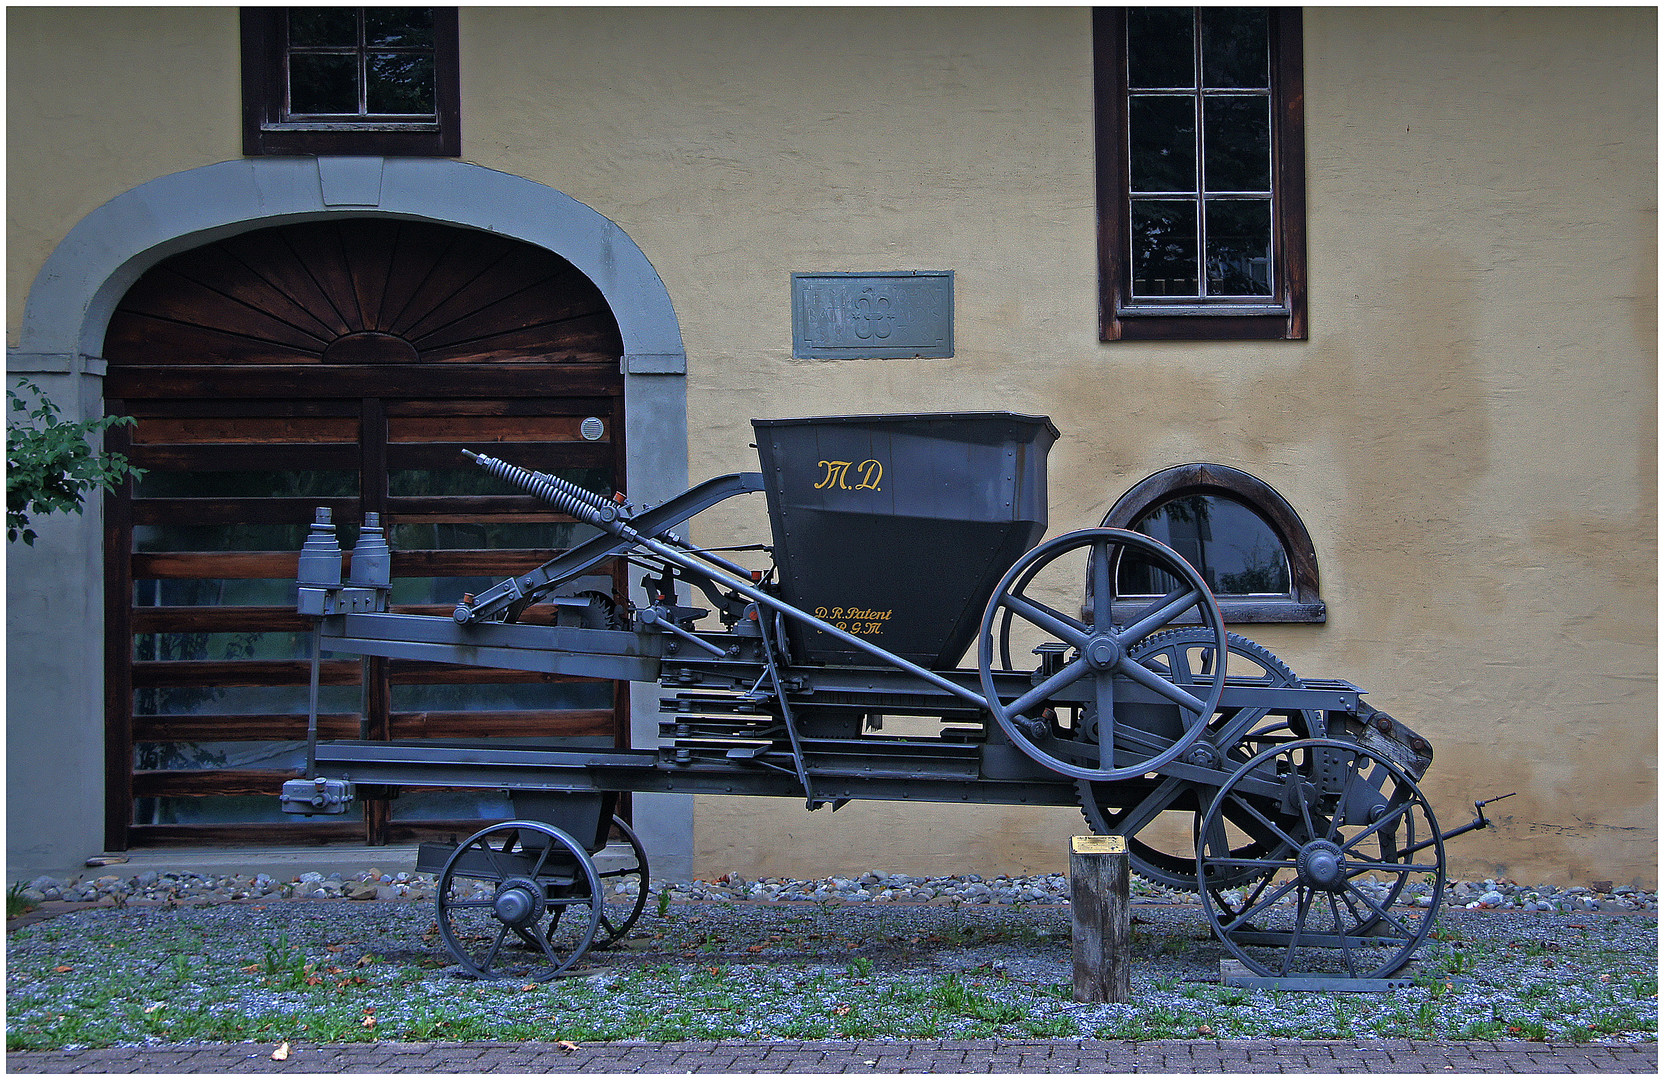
point(940, 1056)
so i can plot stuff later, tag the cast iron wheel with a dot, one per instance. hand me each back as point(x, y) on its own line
point(498, 887)
point(621, 909)
point(1098, 652)
point(1183, 655)
point(1350, 830)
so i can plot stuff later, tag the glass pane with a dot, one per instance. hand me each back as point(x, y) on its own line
point(1236, 140)
point(244, 700)
point(224, 537)
point(1239, 247)
point(323, 84)
point(222, 810)
point(490, 536)
point(399, 83)
point(202, 592)
point(1232, 547)
point(1164, 248)
point(500, 697)
point(250, 484)
point(398, 28)
point(219, 755)
point(1234, 48)
point(474, 481)
point(252, 645)
point(1161, 141)
point(322, 26)
point(440, 590)
point(1160, 48)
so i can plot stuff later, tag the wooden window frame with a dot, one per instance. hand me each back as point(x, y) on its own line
point(268, 131)
point(1119, 318)
point(1303, 603)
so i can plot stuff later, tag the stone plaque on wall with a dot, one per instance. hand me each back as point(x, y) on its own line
point(892, 315)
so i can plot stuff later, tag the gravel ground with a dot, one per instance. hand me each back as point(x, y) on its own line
point(264, 967)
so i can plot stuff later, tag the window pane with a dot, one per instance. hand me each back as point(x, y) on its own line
point(490, 536)
point(1234, 48)
point(221, 537)
point(254, 645)
point(1236, 135)
point(206, 592)
point(1161, 137)
point(1229, 545)
point(1160, 49)
point(244, 700)
point(398, 28)
point(475, 481)
point(321, 26)
point(1239, 247)
point(399, 83)
point(250, 484)
point(1164, 248)
point(323, 84)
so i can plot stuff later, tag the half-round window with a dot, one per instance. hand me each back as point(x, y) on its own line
point(1243, 538)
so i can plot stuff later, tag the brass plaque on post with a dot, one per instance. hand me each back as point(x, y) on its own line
point(1098, 845)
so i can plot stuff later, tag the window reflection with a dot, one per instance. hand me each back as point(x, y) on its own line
point(1231, 547)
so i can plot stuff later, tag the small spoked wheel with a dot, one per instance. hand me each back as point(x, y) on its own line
point(519, 900)
point(1095, 654)
point(624, 889)
point(1342, 834)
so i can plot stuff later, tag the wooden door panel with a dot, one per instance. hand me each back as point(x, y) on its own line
point(228, 355)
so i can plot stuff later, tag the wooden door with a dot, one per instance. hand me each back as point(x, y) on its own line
point(344, 364)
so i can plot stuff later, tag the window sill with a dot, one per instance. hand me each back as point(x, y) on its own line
point(1235, 612)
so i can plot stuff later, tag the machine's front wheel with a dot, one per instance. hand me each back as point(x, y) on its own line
point(1095, 652)
point(1346, 831)
point(519, 900)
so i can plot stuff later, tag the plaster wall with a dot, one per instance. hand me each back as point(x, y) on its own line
point(1469, 434)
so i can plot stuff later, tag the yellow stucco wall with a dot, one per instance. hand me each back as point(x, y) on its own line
point(1469, 434)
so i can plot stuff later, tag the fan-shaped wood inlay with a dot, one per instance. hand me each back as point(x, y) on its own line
point(290, 294)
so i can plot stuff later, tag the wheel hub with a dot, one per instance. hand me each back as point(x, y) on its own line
point(1322, 867)
point(1102, 652)
point(519, 902)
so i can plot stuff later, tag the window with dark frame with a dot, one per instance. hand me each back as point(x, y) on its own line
point(1240, 535)
point(1201, 173)
point(330, 80)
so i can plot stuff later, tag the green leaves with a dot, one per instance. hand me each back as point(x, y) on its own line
point(50, 464)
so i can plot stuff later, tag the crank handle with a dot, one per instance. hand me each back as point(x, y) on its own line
point(1480, 821)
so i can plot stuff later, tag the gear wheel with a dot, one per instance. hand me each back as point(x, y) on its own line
point(1250, 662)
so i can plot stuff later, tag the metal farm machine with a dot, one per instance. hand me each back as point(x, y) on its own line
point(899, 542)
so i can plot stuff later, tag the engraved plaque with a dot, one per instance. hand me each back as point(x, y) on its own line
point(1098, 845)
point(896, 315)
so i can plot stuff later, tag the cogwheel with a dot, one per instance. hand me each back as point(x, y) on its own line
point(1249, 662)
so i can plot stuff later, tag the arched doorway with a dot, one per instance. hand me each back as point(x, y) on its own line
point(342, 362)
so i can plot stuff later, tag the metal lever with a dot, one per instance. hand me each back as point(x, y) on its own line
point(1480, 821)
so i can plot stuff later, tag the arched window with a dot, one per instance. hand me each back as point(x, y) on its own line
point(1242, 537)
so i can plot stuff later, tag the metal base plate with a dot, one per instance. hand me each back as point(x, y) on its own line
point(1235, 973)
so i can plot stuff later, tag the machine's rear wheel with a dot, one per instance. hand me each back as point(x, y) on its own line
point(1095, 652)
point(624, 890)
point(1347, 831)
point(1186, 655)
point(519, 900)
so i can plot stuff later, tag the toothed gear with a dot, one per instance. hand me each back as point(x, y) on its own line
point(1173, 871)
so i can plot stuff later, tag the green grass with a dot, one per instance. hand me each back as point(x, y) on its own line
point(103, 979)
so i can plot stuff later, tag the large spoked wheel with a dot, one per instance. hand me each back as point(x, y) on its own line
point(1098, 652)
point(1347, 831)
point(519, 900)
point(625, 890)
point(1186, 656)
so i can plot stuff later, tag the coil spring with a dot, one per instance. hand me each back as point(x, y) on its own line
point(563, 494)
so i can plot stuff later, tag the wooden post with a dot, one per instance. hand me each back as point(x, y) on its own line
point(1102, 923)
